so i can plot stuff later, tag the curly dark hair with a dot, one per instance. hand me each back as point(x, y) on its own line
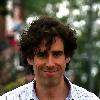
point(47, 28)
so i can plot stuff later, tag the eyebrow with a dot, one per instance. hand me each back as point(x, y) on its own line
point(53, 51)
point(57, 51)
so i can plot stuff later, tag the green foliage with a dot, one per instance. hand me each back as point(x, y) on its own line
point(3, 10)
point(37, 7)
point(11, 86)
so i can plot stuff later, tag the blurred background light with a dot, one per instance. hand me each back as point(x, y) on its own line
point(76, 12)
point(30, 19)
point(98, 44)
point(63, 10)
point(94, 71)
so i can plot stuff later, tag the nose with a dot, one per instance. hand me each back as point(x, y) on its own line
point(50, 61)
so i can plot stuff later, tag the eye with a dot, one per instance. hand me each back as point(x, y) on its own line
point(41, 54)
point(57, 53)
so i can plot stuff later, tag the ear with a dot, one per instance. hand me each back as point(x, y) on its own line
point(67, 59)
point(30, 61)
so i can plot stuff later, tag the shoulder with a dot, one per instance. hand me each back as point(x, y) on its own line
point(80, 93)
point(18, 93)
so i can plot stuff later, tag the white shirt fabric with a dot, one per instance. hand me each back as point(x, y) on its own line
point(27, 92)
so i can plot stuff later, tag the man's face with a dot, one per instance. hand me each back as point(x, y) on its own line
point(49, 66)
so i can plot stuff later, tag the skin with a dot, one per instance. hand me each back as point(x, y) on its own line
point(49, 67)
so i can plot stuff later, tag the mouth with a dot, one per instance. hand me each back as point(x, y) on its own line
point(50, 72)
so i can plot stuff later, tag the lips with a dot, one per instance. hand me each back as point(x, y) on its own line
point(51, 71)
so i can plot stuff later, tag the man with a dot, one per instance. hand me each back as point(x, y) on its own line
point(48, 46)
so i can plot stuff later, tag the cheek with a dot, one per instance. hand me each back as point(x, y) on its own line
point(62, 63)
point(37, 63)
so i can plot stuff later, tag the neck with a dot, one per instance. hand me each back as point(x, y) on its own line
point(58, 92)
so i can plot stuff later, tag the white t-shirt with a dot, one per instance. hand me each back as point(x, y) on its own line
point(27, 92)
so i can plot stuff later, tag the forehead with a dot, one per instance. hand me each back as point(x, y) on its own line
point(57, 44)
